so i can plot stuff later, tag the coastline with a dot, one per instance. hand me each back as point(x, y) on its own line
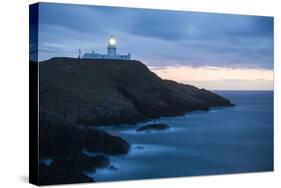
point(72, 109)
point(230, 143)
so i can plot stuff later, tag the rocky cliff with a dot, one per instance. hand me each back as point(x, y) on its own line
point(102, 92)
point(77, 94)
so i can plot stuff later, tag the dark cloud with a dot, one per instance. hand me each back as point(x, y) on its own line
point(158, 37)
point(159, 24)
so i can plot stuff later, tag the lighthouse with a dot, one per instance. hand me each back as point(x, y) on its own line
point(111, 48)
point(111, 52)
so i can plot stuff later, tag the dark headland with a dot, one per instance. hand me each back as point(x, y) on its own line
point(101, 92)
point(77, 95)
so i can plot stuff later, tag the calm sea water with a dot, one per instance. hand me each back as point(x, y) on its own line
point(222, 140)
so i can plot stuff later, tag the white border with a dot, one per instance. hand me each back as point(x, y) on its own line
point(14, 91)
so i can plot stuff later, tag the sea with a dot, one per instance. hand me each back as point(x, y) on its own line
point(219, 141)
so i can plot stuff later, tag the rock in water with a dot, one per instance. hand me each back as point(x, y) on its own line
point(100, 161)
point(74, 162)
point(154, 126)
point(100, 141)
point(111, 167)
point(80, 162)
point(70, 168)
point(49, 175)
point(58, 140)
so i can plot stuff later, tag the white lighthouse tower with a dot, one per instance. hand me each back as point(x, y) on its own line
point(111, 48)
point(111, 52)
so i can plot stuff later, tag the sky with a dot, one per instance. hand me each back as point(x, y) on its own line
point(212, 51)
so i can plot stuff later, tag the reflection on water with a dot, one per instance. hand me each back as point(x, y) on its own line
point(222, 140)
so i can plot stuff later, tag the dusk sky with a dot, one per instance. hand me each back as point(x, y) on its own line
point(213, 51)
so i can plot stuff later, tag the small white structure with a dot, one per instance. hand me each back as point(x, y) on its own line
point(111, 52)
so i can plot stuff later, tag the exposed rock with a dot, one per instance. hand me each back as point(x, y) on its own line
point(107, 92)
point(139, 147)
point(49, 175)
point(102, 92)
point(100, 141)
point(75, 162)
point(100, 161)
point(70, 168)
point(154, 126)
point(60, 140)
point(111, 167)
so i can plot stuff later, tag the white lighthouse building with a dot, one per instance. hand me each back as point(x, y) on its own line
point(111, 52)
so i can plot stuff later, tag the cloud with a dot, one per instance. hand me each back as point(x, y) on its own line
point(218, 78)
point(157, 37)
point(187, 73)
point(234, 84)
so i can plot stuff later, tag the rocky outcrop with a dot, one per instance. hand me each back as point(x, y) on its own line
point(71, 169)
point(100, 161)
point(75, 162)
point(59, 140)
point(49, 175)
point(111, 92)
point(76, 95)
point(154, 126)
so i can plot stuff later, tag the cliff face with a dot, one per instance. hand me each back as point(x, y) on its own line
point(78, 92)
point(102, 92)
